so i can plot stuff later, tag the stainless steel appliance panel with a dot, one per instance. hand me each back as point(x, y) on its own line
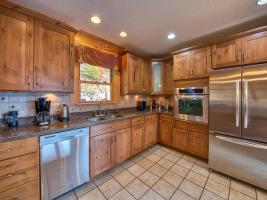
point(239, 158)
point(255, 102)
point(225, 101)
point(64, 162)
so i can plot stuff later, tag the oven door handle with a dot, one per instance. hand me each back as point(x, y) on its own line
point(192, 97)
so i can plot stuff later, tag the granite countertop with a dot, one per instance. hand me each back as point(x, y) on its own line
point(31, 130)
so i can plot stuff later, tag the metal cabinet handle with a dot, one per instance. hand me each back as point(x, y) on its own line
point(6, 176)
point(237, 103)
point(245, 103)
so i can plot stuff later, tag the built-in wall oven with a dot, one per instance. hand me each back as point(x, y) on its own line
point(191, 104)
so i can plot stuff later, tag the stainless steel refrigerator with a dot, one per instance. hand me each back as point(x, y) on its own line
point(238, 123)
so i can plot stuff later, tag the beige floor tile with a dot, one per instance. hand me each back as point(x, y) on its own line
point(179, 170)
point(137, 188)
point(177, 153)
point(166, 149)
point(124, 178)
point(160, 153)
point(244, 188)
point(172, 178)
point(220, 178)
point(202, 163)
point(180, 195)
point(191, 189)
point(110, 188)
point(196, 178)
point(137, 158)
point(102, 178)
point(122, 195)
point(127, 164)
point(189, 158)
point(164, 189)
point(145, 163)
point(207, 195)
point(173, 158)
point(152, 195)
point(116, 170)
point(165, 163)
point(261, 195)
point(153, 157)
point(154, 148)
point(145, 153)
point(136, 170)
point(235, 195)
point(95, 194)
point(200, 170)
point(68, 196)
point(158, 170)
point(185, 163)
point(149, 178)
point(87, 187)
point(217, 188)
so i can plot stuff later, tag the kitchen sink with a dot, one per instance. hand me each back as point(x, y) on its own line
point(106, 117)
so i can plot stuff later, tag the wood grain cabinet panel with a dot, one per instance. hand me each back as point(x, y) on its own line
point(254, 48)
point(198, 144)
point(200, 62)
point(137, 139)
point(168, 83)
point(165, 129)
point(53, 58)
point(146, 70)
point(181, 66)
point(180, 139)
point(226, 54)
point(16, 51)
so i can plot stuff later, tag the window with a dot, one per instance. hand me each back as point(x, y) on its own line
point(95, 83)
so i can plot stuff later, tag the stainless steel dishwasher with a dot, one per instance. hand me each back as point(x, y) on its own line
point(64, 162)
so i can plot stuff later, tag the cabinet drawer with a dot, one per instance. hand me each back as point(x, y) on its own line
point(151, 117)
point(191, 126)
point(27, 191)
point(109, 127)
point(138, 121)
point(165, 117)
point(18, 148)
point(17, 171)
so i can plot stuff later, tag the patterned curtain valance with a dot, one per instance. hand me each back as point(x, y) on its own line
point(95, 57)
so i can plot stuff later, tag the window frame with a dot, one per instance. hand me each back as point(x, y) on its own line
point(97, 83)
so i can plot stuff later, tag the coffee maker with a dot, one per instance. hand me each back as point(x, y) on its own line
point(42, 108)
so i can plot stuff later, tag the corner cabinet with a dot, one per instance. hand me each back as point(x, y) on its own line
point(53, 58)
point(165, 129)
point(16, 51)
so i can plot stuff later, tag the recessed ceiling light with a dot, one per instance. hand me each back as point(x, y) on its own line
point(123, 34)
point(95, 20)
point(261, 2)
point(171, 36)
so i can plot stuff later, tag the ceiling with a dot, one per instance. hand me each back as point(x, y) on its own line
point(147, 22)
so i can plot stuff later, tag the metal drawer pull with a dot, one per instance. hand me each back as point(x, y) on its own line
point(6, 176)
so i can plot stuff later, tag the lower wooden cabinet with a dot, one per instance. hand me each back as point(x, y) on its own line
point(180, 139)
point(165, 129)
point(151, 133)
point(198, 144)
point(137, 139)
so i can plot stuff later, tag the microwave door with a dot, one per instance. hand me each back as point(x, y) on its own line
point(225, 101)
point(255, 102)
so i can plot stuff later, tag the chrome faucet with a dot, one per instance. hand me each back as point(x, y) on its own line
point(101, 113)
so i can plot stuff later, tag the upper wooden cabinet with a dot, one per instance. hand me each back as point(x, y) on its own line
point(192, 64)
point(168, 83)
point(135, 75)
point(16, 51)
point(226, 54)
point(53, 58)
point(254, 48)
point(157, 77)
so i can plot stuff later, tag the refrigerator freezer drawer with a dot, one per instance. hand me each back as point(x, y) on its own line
point(239, 158)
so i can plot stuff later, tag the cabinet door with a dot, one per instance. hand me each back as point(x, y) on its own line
point(122, 145)
point(254, 48)
point(181, 66)
point(226, 54)
point(200, 62)
point(134, 73)
point(168, 83)
point(145, 86)
point(180, 139)
point(16, 51)
point(154, 132)
point(100, 153)
point(157, 76)
point(137, 139)
point(53, 62)
point(198, 144)
point(165, 132)
point(148, 134)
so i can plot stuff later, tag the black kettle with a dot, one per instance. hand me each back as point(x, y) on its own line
point(11, 118)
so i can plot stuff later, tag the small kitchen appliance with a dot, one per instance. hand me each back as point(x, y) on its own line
point(11, 118)
point(141, 105)
point(64, 113)
point(42, 108)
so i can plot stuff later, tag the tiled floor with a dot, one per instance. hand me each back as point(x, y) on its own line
point(161, 173)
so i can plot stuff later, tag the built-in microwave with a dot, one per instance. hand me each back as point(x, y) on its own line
point(191, 104)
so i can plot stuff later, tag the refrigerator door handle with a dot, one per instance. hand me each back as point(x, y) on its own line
point(245, 103)
point(242, 142)
point(237, 103)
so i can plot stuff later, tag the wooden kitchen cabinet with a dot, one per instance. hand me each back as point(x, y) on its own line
point(53, 58)
point(180, 139)
point(200, 62)
point(157, 77)
point(226, 54)
point(145, 86)
point(168, 83)
point(165, 129)
point(137, 139)
point(198, 144)
point(254, 48)
point(151, 130)
point(181, 66)
point(16, 51)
